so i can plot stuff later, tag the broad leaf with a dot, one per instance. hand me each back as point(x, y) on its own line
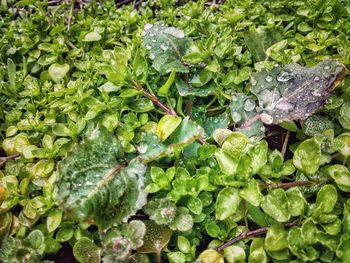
point(294, 92)
point(94, 186)
point(166, 46)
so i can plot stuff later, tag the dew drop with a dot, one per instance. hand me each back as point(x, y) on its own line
point(266, 118)
point(163, 47)
point(268, 78)
point(154, 41)
point(174, 32)
point(317, 78)
point(234, 98)
point(327, 67)
point(253, 81)
point(142, 148)
point(152, 56)
point(316, 93)
point(148, 47)
point(151, 35)
point(148, 26)
point(284, 76)
point(249, 105)
point(236, 117)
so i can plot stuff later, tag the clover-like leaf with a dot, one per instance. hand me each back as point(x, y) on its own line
point(210, 256)
point(341, 176)
point(275, 204)
point(156, 238)
point(227, 202)
point(276, 238)
point(86, 251)
point(307, 156)
point(166, 46)
point(167, 126)
point(58, 71)
point(94, 186)
point(118, 242)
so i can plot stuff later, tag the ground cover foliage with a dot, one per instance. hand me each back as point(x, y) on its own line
point(174, 131)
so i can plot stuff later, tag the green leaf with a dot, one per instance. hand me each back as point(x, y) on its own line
point(210, 256)
point(340, 175)
point(325, 201)
point(85, 251)
point(54, 220)
point(95, 186)
point(58, 71)
point(275, 204)
point(227, 203)
point(307, 156)
point(166, 46)
point(166, 126)
point(156, 238)
point(234, 254)
point(251, 193)
point(257, 252)
point(183, 244)
point(92, 37)
point(276, 238)
point(163, 91)
point(194, 204)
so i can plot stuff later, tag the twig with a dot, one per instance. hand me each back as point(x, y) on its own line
point(252, 233)
point(285, 144)
point(157, 102)
point(4, 159)
point(153, 98)
point(293, 184)
point(69, 19)
point(250, 121)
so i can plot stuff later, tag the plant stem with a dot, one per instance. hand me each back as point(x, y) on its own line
point(285, 144)
point(153, 98)
point(4, 159)
point(69, 19)
point(293, 184)
point(157, 102)
point(250, 121)
point(252, 233)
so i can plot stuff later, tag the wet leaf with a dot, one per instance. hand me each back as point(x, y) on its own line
point(85, 251)
point(166, 46)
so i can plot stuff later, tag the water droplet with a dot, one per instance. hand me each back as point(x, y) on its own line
point(266, 118)
point(285, 76)
point(151, 35)
point(152, 56)
point(163, 47)
point(143, 33)
point(327, 67)
point(316, 93)
point(268, 78)
point(234, 98)
point(249, 105)
point(154, 41)
point(142, 148)
point(262, 128)
point(148, 26)
point(253, 81)
point(317, 78)
point(174, 32)
point(148, 47)
point(236, 117)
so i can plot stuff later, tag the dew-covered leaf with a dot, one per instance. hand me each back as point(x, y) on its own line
point(307, 156)
point(227, 203)
point(95, 186)
point(294, 92)
point(166, 46)
point(275, 204)
point(156, 238)
point(85, 251)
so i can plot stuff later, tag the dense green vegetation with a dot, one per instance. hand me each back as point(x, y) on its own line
point(174, 131)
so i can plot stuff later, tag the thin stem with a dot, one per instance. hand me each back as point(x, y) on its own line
point(4, 159)
point(285, 143)
point(153, 98)
point(158, 257)
point(250, 121)
point(293, 184)
point(252, 233)
point(69, 19)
